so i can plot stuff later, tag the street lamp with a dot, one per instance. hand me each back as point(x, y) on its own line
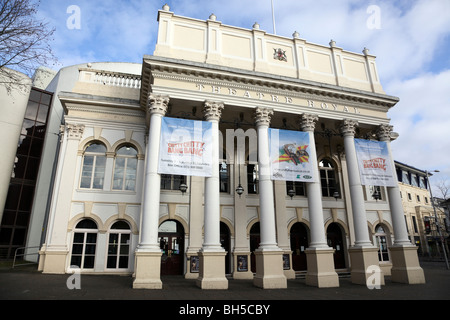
point(183, 188)
point(291, 193)
point(239, 189)
point(376, 194)
point(436, 218)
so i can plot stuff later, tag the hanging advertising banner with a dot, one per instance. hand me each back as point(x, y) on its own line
point(289, 156)
point(375, 166)
point(185, 147)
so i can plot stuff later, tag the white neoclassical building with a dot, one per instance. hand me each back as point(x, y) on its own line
point(113, 211)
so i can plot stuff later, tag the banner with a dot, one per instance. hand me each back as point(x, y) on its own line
point(185, 147)
point(375, 165)
point(289, 156)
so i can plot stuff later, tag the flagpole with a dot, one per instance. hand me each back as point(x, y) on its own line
point(273, 19)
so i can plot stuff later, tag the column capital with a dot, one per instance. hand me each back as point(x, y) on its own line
point(213, 110)
point(384, 132)
point(308, 122)
point(263, 116)
point(348, 127)
point(74, 131)
point(157, 103)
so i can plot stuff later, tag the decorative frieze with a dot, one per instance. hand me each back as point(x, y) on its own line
point(213, 110)
point(348, 127)
point(308, 121)
point(158, 104)
point(263, 116)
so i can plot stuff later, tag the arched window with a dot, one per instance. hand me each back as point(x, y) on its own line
point(125, 167)
point(119, 246)
point(94, 163)
point(381, 239)
point(327, 178)
point(84, 244)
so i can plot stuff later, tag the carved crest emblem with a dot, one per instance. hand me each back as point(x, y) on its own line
point(279, 54)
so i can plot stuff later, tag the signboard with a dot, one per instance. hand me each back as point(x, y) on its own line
point(375, 165)
point(185, 147)
point(289, 156)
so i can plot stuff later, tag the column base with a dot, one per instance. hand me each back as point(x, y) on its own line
point(147, 270)
point(242, 265)
point(212, 270)
point(363, 260)
point(53, 262)
point(269, 270)
point(321, 272)
point(405, 265)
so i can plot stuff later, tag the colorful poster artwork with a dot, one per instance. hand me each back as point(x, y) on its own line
point(289, 156)
point(185, 147)
point(375, 165)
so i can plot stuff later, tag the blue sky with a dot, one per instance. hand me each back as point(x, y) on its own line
point(411, 39)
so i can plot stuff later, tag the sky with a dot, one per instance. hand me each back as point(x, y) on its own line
point(410, 38)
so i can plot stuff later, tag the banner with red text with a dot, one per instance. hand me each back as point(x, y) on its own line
point(375, 166)
point(185, 147)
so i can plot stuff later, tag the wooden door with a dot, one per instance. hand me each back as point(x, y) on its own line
point(299, 243)
point(334, 236)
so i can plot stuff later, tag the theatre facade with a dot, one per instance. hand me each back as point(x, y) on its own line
point(113, 209)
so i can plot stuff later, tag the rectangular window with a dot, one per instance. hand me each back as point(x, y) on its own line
point(405, 177)
point(172, 182)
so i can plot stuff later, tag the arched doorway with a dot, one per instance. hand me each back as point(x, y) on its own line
point(171, 242)
point(299, 242)
point(225, 242)
point(334, 237)
point(255, 239)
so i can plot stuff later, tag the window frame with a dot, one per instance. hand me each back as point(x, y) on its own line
point(94, 166)
point(120, 232)
point(330, 188)
point(125, 168)
point(84, 243)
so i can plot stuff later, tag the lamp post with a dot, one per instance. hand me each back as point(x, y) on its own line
point(436, 218)
point(239, 189)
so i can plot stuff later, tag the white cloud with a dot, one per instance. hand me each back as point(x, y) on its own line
point(422, 118)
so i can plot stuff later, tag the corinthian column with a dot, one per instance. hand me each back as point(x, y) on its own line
point(212, 255)
point(55, 250)
point(362, 254)
point(320, 260)
point(148, 252)
point(405, 262)
point(269, 258)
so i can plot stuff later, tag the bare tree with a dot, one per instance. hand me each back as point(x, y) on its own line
point(24, 40)
point(444, 187)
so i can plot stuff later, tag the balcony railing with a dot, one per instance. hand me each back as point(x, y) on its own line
point(111, 78)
